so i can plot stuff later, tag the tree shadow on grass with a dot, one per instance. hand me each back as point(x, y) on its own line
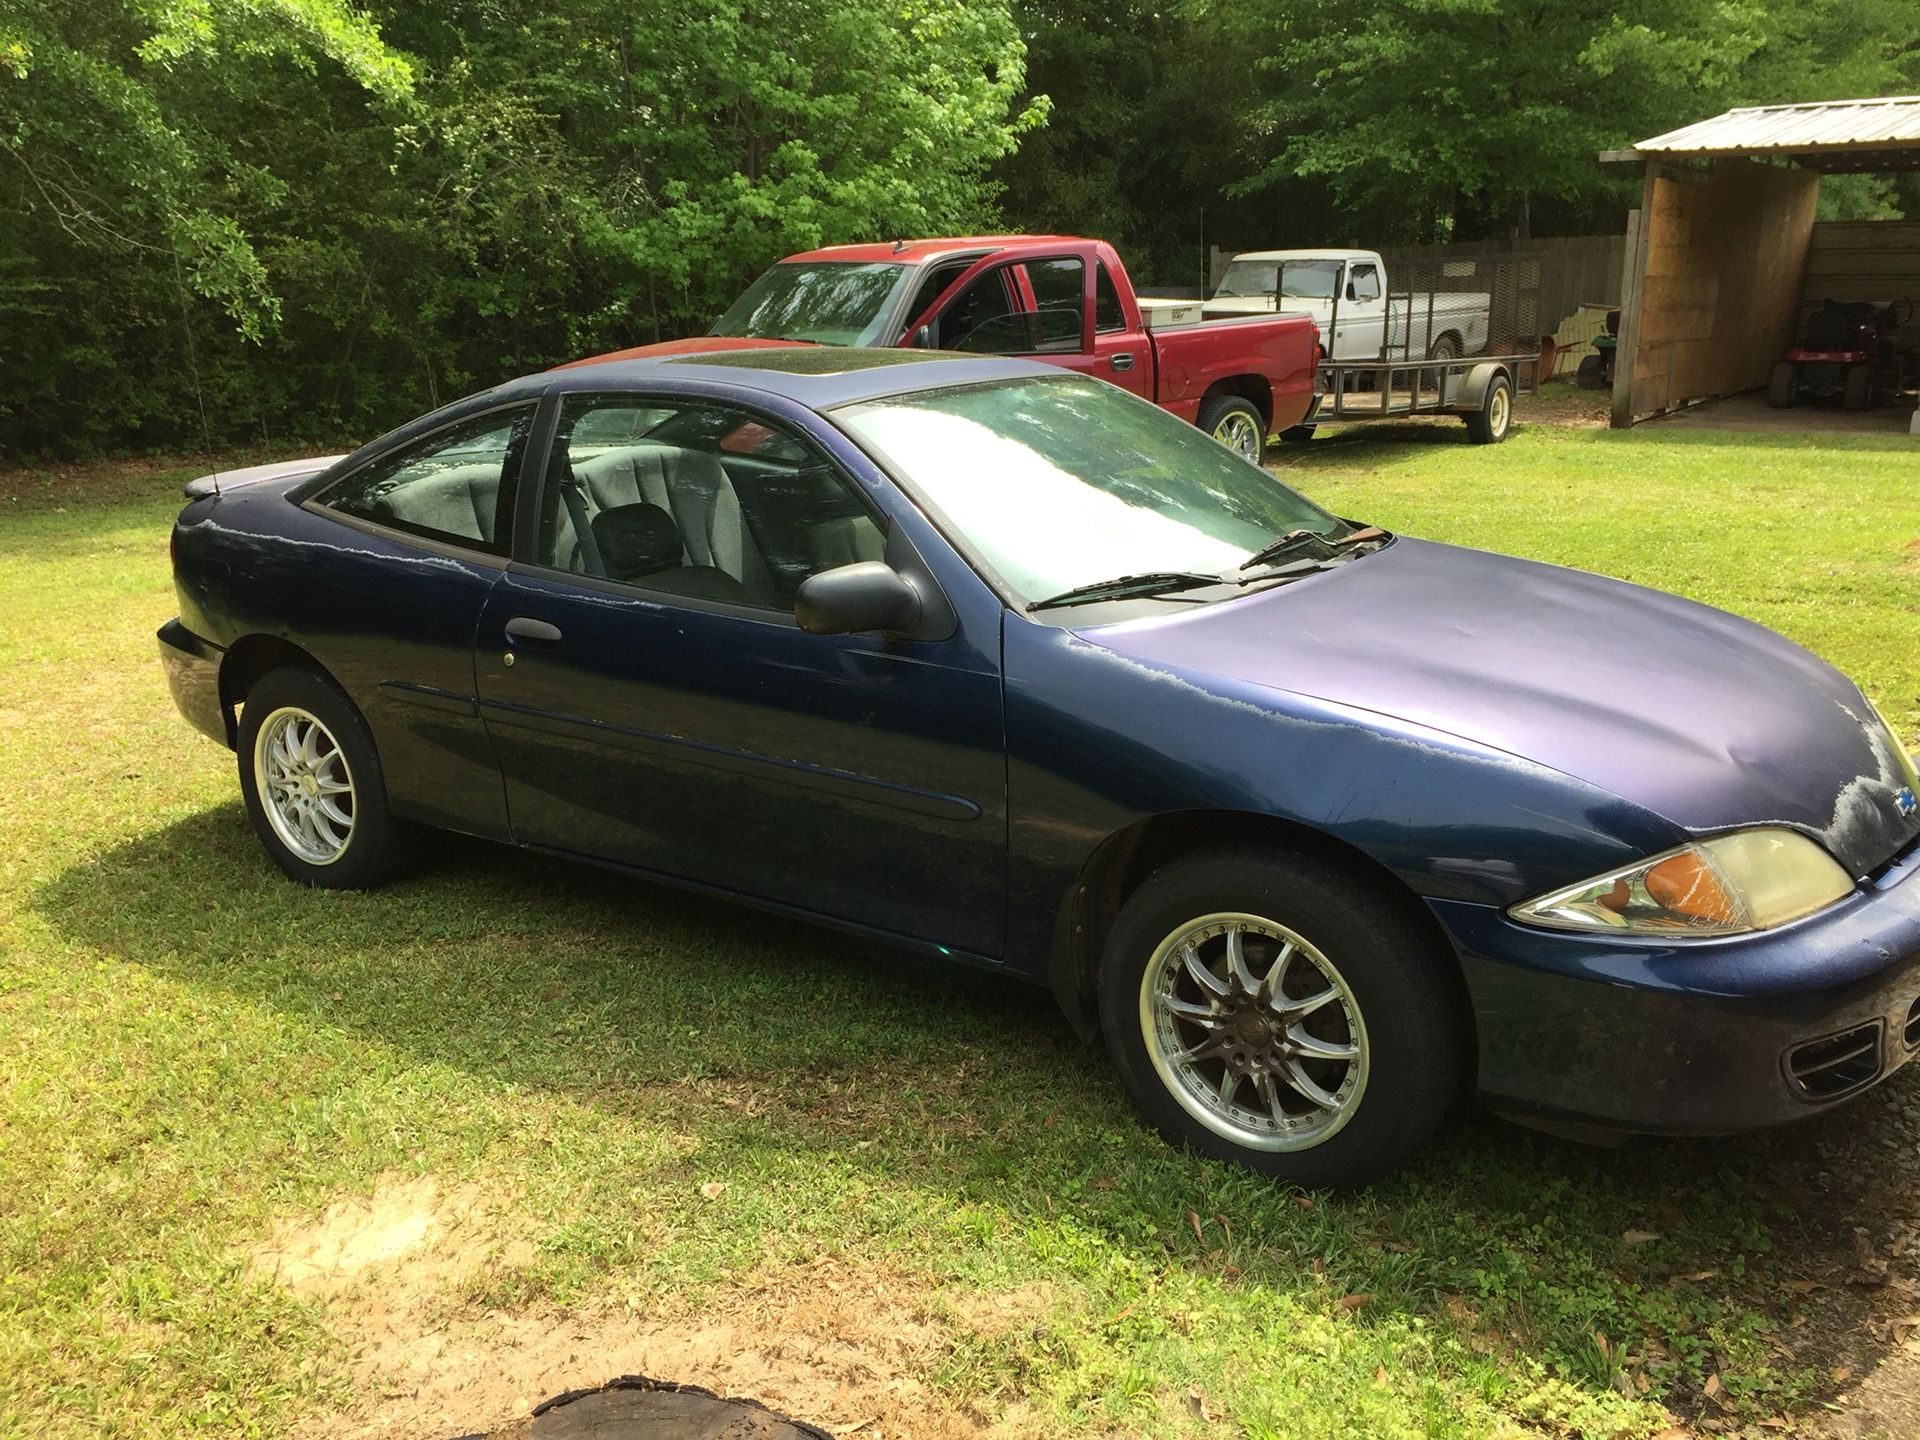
point(631, 996)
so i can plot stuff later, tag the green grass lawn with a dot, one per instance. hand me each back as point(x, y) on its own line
point(196, 1051)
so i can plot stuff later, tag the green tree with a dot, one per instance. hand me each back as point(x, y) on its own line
point(1470, 117)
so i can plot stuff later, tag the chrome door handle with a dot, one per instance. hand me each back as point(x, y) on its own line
point(1122, 361)
point(524, 628)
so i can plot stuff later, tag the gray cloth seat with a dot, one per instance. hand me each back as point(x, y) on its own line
point(692, 487)
point(460, 500)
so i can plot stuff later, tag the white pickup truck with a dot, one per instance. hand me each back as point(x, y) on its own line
point(1359, 315)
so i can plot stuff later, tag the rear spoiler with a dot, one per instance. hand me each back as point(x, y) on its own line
point(222, 481)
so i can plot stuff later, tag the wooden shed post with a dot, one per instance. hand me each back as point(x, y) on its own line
point(1633, 273)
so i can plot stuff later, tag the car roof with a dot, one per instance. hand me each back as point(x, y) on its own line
point(817, 376)
point(912, 252)
point(1321, 252)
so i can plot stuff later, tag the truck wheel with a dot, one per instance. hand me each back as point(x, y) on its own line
point(1237, 425)
point(1859, 392)
point(1490, 423)
point(1276, 1010)
point(1446, 347)
point(1780, 386)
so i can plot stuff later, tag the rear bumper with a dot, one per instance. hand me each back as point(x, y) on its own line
point(1705, 1038)
point(192, 667)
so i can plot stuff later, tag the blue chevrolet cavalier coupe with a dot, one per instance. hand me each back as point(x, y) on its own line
point(1320, 827)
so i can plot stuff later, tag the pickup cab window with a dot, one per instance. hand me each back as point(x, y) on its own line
point(984, 320)
point(1060, 302)
point(1107, 314)
point(1363, 283)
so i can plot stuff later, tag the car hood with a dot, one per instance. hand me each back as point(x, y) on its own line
point(1689, 712)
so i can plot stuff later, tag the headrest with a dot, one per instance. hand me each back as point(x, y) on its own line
point(636, 540)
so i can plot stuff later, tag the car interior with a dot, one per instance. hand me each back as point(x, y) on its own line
point(707, 504)
point(701, 501)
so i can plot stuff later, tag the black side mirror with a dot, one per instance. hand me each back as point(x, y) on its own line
point(857, 599)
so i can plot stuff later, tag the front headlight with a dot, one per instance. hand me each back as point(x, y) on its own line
point(1729, 885)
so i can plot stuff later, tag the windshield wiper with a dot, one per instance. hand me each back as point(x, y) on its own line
point(1126, 587)
point(1300, 539)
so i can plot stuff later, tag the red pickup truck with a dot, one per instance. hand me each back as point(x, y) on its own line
point(1053, 297)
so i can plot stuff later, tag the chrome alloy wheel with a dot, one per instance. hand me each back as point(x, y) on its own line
point(1254, 1032)
point(1240, 433)
point(305, 785)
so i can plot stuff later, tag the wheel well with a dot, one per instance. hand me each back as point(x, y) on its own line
point(247, 659)
point(1126, 858)
point(1251, 388)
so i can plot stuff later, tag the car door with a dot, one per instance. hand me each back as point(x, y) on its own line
point(1363, 314)
point(654, 703)
point(388, 599)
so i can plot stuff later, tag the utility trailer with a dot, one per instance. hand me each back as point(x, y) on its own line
point(1408, 349)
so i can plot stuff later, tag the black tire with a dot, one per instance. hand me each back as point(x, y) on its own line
point(1859, 392)
point(1592, 374)
point(1399, 980)
point(1236, 424)
point(374, 846)
point(1445, 347)
point(1493, 421)
point(1781, 390)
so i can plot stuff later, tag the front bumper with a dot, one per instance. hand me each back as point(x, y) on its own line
point(192, 666)
point(1696, 1038)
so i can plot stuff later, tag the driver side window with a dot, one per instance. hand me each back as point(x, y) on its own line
point(984, 320)
point(696, 499)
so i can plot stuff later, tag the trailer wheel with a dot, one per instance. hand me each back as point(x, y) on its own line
point(1490, 423)
point(1859, 391)
point(1780, 387)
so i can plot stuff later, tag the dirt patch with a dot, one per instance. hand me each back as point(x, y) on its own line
point(838, 1343)
point(1566, 405)
point(407, 1241)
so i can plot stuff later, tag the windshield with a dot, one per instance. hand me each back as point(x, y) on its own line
point(1299, 279)
point(831, 302)
point(1057, 483)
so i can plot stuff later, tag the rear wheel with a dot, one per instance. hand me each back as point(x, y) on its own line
point(1859, 392)
point(1490, 423)
point(313, 784)
point(1780, 386)
point(1276, 1010)
point(1236, 424)
point(1446, 347)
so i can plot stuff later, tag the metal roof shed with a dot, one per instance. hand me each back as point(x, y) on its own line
point(1718, 252)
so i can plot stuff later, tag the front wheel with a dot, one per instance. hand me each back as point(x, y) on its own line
point(1236, 424)
point(313, 784)
point(1278, 1011)
point(1780, 386)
